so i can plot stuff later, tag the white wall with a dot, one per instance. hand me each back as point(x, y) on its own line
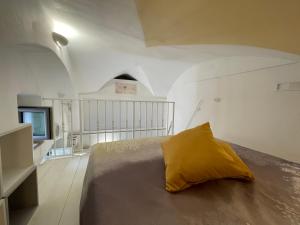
point(108, 92)
point(250, 112)
point(29, 70)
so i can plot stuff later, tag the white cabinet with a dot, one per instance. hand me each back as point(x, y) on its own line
point(18, 178)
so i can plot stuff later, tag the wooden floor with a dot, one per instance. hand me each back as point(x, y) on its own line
point(60, 182)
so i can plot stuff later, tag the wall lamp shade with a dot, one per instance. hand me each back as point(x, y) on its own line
point(60, 40)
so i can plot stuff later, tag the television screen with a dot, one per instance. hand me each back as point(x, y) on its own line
point(38, 121)
point(39, 118)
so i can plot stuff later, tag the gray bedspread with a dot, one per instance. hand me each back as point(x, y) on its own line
point(124, 185)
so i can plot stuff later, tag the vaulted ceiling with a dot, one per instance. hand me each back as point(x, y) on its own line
point(157, 40)
point(262, 23)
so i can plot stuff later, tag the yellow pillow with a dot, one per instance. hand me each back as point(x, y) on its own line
point(194, 156)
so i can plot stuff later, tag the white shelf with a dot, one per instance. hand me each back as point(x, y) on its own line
point(18, 178)
point(19, 127)
point(13, 177)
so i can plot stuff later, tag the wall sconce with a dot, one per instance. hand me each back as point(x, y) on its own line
point(59, 40)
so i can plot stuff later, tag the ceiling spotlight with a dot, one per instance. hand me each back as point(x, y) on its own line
point(60, 40)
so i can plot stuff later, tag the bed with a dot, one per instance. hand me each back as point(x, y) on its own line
point(124, 185)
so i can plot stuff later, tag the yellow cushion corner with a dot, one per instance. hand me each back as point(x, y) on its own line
point(194, 156)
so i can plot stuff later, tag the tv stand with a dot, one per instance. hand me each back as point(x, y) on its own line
point(18, 175)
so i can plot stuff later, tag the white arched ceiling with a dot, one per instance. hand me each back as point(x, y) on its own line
point(110, 40)
point(34, 69)
point(29, 69)
point(27, 23)
point(107, 40)
point(24, 22)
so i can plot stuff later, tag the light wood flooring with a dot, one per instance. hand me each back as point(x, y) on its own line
point(60, 183)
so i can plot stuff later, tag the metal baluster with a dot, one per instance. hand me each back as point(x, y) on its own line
point(133, 120)
point(105, 130)
point(54, 130)
point(81, 125)
point(152, 120)
point(63, 125)
point(120, 120)
point(162, 117)
point(71, 111)
point(146, 104)
point(97, 121)
point(113, 117)
point(126, 120)
point(157, 119)
point(167, 128)
point(140, 119)
point(90, 132)
point(173, 118)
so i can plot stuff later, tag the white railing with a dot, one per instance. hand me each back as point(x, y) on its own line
point(79, 124)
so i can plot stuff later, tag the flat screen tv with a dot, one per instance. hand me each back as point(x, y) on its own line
point(40, 119)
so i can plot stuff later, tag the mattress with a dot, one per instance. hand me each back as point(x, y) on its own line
point(124, 185)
